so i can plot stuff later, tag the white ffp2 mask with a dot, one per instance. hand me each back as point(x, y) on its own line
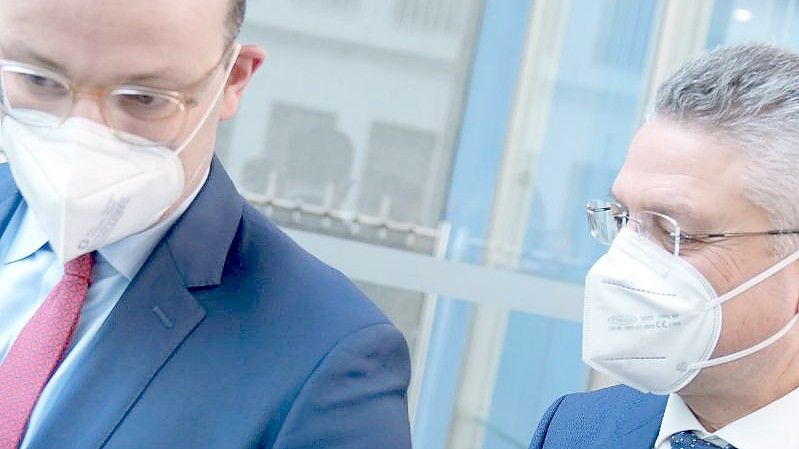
point(87, 188)
point(652, 321)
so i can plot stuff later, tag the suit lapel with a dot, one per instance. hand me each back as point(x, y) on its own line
point(640, 424)
point(9, 197)
point(156, 313)
point(153, 317)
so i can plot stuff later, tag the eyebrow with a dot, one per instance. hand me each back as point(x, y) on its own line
point(682, 212)
point(29, 55)
point(158, 77)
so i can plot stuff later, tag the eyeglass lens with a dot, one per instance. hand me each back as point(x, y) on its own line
point(139, 116)
point(605, 220)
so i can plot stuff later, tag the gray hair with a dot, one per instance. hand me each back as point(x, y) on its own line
point(747, 95)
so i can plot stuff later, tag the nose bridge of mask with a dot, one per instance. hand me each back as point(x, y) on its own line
point(77, 137)
point(641, 249)
point(90, 133)
point(663, 263)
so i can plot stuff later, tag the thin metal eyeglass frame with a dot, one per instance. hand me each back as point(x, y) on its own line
point(184, 101)
point(679, 235)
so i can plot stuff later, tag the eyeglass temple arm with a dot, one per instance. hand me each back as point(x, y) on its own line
point(741, 234)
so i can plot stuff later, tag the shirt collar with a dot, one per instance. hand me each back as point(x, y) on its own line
point(129, 254)
point(771, 426)
point(126, 256)
point(28, 238)
point(678, 418)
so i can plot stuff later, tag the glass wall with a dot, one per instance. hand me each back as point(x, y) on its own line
point(440, 152)
point(572, 103)
point(740, 21)
point(358, 105)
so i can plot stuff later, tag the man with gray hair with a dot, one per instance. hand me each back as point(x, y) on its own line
point(694, 305)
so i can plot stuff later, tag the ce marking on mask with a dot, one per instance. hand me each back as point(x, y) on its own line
point(643, 322)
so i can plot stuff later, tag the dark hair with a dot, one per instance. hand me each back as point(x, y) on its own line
point(236, 17)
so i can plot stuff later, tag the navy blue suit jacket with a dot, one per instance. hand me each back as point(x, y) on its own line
point(617, 417)
point(231, 336)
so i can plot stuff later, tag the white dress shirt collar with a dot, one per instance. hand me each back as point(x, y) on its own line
point(771, 426)
point(28, 239)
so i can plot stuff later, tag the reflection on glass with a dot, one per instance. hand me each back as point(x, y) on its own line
point(358, 106)
point(739, 21)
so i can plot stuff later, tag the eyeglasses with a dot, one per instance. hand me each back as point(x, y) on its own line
point(138, 115)
point(606, 219)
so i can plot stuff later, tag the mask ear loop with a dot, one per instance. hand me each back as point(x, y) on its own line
point(207, 114)
point(217, 96)
point(740, 354)
point(193, 134)
point(781, 265)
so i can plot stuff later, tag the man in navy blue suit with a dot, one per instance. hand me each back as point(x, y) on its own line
point(694, 306)
point(143, 303)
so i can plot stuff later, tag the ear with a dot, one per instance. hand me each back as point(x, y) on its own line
point(249, 61)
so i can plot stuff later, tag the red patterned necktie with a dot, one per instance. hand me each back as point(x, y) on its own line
point(39, 349)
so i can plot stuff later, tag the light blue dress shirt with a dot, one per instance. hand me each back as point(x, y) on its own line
point(29, 269)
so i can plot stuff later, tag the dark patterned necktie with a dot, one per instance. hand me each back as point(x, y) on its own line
point(39, 349)
point(689, 440)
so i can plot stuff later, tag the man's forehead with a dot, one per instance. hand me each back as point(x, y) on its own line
point(112, 14)
point(678, 170)
point(103, 34)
